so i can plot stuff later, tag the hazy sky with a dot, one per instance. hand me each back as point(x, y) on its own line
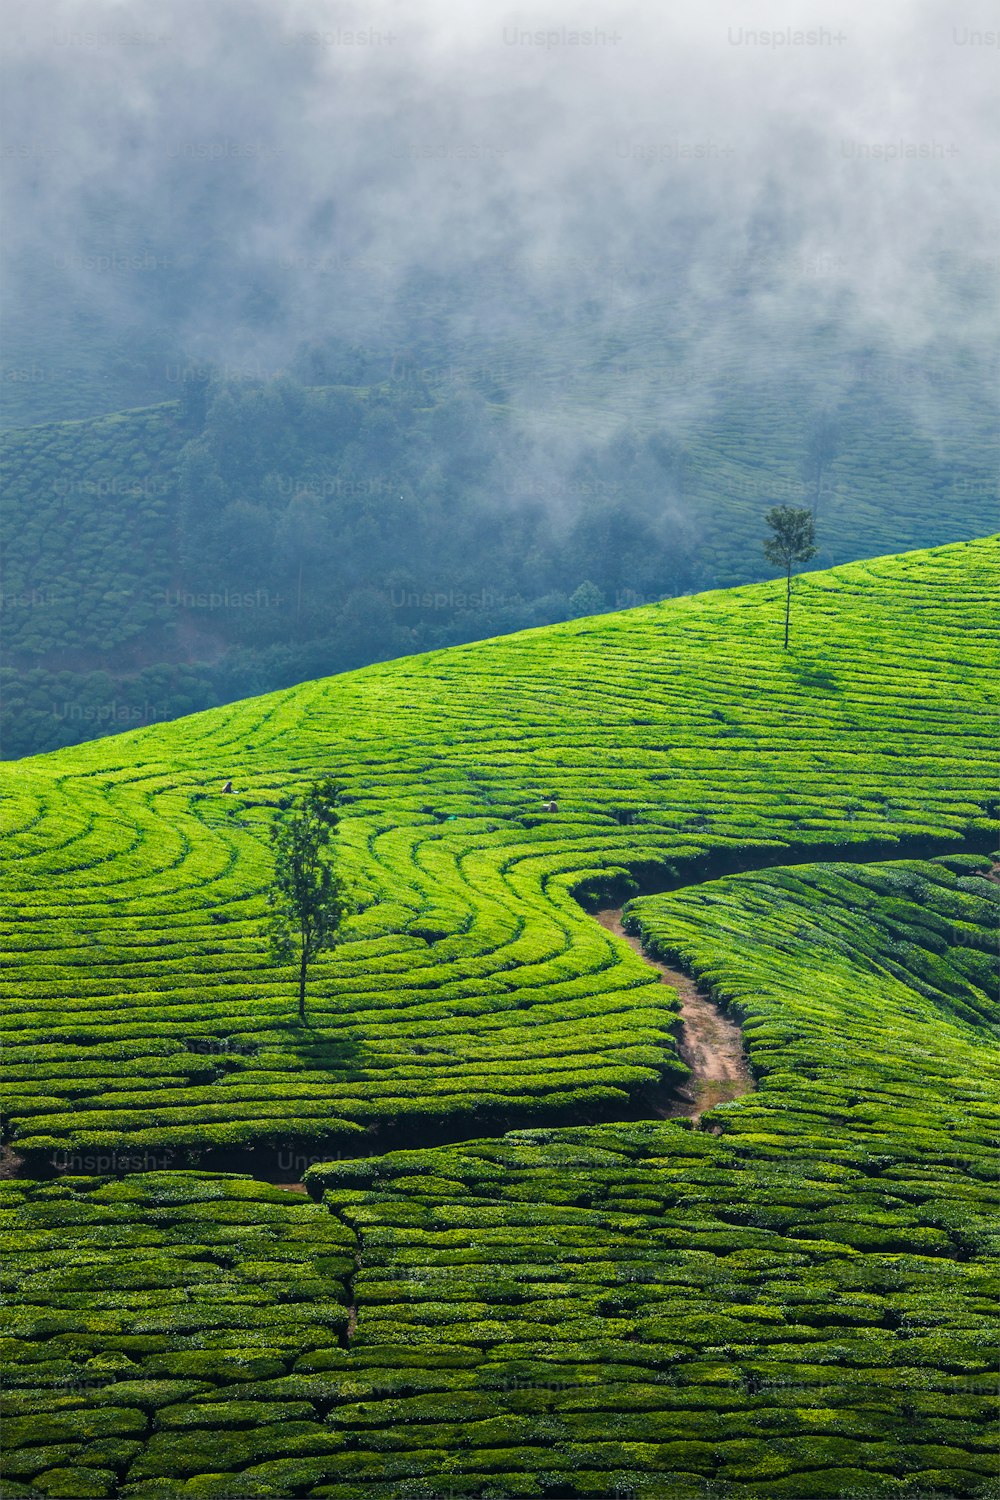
point(249, 174)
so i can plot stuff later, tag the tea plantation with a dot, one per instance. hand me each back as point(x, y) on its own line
point(798, 1306)
point(793, 1299)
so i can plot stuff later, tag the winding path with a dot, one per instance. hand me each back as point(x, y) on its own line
point(709, 1042)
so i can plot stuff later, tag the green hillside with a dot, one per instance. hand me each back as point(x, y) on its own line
point(251, 536)
point(788, 1298)
point(665, 733)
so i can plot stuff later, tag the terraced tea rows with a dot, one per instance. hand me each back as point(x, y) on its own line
point(867, 997)
point(142, 1300)
point(798, 1306)
point(143, 1014)
point(790, 1301)
point(88, 503)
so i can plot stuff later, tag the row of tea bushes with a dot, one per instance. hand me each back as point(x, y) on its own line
point(795, 1300)
point(141, 1301)
point(142, 1010)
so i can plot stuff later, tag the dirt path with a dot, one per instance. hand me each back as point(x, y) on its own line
point(709, 1042)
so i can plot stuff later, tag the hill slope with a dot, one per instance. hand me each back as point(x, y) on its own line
point(791, 1301)
point(666, 733)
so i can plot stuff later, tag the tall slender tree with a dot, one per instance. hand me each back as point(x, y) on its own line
point(308, 898)
point(792, 540)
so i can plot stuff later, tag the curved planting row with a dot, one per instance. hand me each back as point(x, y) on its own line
point(796, 1302)
point(144, 1015)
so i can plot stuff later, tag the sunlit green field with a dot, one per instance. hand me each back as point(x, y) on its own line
point(791, 1300)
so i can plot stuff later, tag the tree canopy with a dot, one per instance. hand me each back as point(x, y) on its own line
point(308, 897)
point(792, 540)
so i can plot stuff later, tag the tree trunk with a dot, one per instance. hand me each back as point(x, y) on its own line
point(788, 603)
point(302, 985)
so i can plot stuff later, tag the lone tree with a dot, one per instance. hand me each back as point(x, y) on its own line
point(792, 540)
point(308, 899)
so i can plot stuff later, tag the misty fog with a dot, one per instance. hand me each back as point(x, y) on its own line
point(227, 182)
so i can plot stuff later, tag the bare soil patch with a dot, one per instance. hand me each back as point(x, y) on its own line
point(709, 1042)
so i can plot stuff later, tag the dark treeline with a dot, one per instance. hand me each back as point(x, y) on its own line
point(387, 522)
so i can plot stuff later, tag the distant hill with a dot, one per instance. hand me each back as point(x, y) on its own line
point(250, 535)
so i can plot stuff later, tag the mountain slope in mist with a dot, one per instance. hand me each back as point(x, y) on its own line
point(251, 536)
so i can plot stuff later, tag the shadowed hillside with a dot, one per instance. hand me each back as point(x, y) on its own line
point(252, 535)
